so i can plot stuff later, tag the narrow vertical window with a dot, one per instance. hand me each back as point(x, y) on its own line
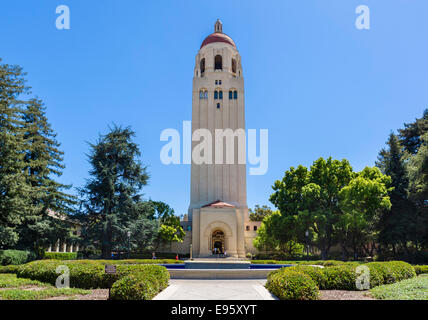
point(220, 94)
point(233, 65)
point(235, 95)
point(230, 95)
point(215, 95)
point(218, 62)
point(202, 66)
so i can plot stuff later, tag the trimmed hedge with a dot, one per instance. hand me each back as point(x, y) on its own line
point(9, 269)
point(284, 283)
point(84, 274)
point(141, 285)
point(289, 284)
point(420, 269)
point(325, 263)
point(15, 257)
point(60, 255)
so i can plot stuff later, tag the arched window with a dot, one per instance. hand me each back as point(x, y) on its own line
point(230, 95)
point(235, 95)
point(233, 65)
point(215, 95)
point(202, 66)
point(220, 95)
point(218, 62)
point(203, 94)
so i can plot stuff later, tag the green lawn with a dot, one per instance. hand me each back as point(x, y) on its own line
point(410, 289)
point(13, 288)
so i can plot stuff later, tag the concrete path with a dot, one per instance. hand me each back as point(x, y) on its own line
point(184, 289)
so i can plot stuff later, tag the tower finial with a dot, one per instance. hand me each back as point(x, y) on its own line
point(218, 27)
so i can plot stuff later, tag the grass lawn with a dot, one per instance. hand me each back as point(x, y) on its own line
point(13, 288)
point(410, 289)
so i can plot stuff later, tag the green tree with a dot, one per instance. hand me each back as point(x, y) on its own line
point(259, 213)
point(397, 226)
point(276, 233)
point(411, 135)
point(15, 204)
point(362, 202)
point(43, 162)
point(418, 192)
point(170, 227)
point(328, 199)
point(112, 196)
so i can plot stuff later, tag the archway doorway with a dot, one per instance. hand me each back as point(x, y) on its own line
point(218, 242)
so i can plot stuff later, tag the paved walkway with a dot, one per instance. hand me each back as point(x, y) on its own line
point(215, 290)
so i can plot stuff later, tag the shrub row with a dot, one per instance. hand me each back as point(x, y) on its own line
point(8, 257)
point(343, 277)
point(60, 255)
point(292, 283)
point(325, 263)
point(420, 269)
point(9, 269)
point(90, 274)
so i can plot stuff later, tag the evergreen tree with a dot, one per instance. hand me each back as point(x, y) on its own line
point(14, 200)
point(43, 162)
point(410, 136)
point(397, 225)
point(112, 200)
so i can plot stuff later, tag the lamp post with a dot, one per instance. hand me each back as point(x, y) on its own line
point(307, 244)
point(129, 242)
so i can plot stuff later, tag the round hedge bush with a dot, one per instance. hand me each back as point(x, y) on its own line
point(315, 273)
point(292, 285)
point(340, 278)
point(141, 285)
point(420, 269)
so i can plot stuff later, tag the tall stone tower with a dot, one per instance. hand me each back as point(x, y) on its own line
point(218, 204)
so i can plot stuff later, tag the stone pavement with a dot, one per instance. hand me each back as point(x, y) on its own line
point(184, 289)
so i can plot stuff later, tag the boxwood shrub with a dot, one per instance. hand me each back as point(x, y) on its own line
point(290, 284)
point(420, 269)
point(9, 269)
point(316, 273)
point(8, 257)
point(86, 274)
point(143, 284)
point(60, 255)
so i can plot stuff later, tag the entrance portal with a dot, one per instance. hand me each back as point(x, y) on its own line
point(217, 242)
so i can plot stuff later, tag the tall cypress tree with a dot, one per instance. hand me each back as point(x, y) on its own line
point(14, 200)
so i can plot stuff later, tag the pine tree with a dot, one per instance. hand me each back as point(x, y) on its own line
point(112, 200)
point(410, 136)
point(14, 200)
point(397, 225)
point(43, 162)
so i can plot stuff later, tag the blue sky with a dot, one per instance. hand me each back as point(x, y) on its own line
point(319, 85)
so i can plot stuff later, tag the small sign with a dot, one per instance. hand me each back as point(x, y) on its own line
point(110, 269)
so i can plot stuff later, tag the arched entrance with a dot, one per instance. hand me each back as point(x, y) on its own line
point(218, 244)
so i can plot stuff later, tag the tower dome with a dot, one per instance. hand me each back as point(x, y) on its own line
point(218, 36)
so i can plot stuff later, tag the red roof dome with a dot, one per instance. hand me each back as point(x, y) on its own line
point(218, 37)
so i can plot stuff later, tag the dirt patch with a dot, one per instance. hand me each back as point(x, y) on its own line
point(97, 294)
point(345, 295)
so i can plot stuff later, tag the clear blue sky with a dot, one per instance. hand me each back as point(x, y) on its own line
point(321, 87)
